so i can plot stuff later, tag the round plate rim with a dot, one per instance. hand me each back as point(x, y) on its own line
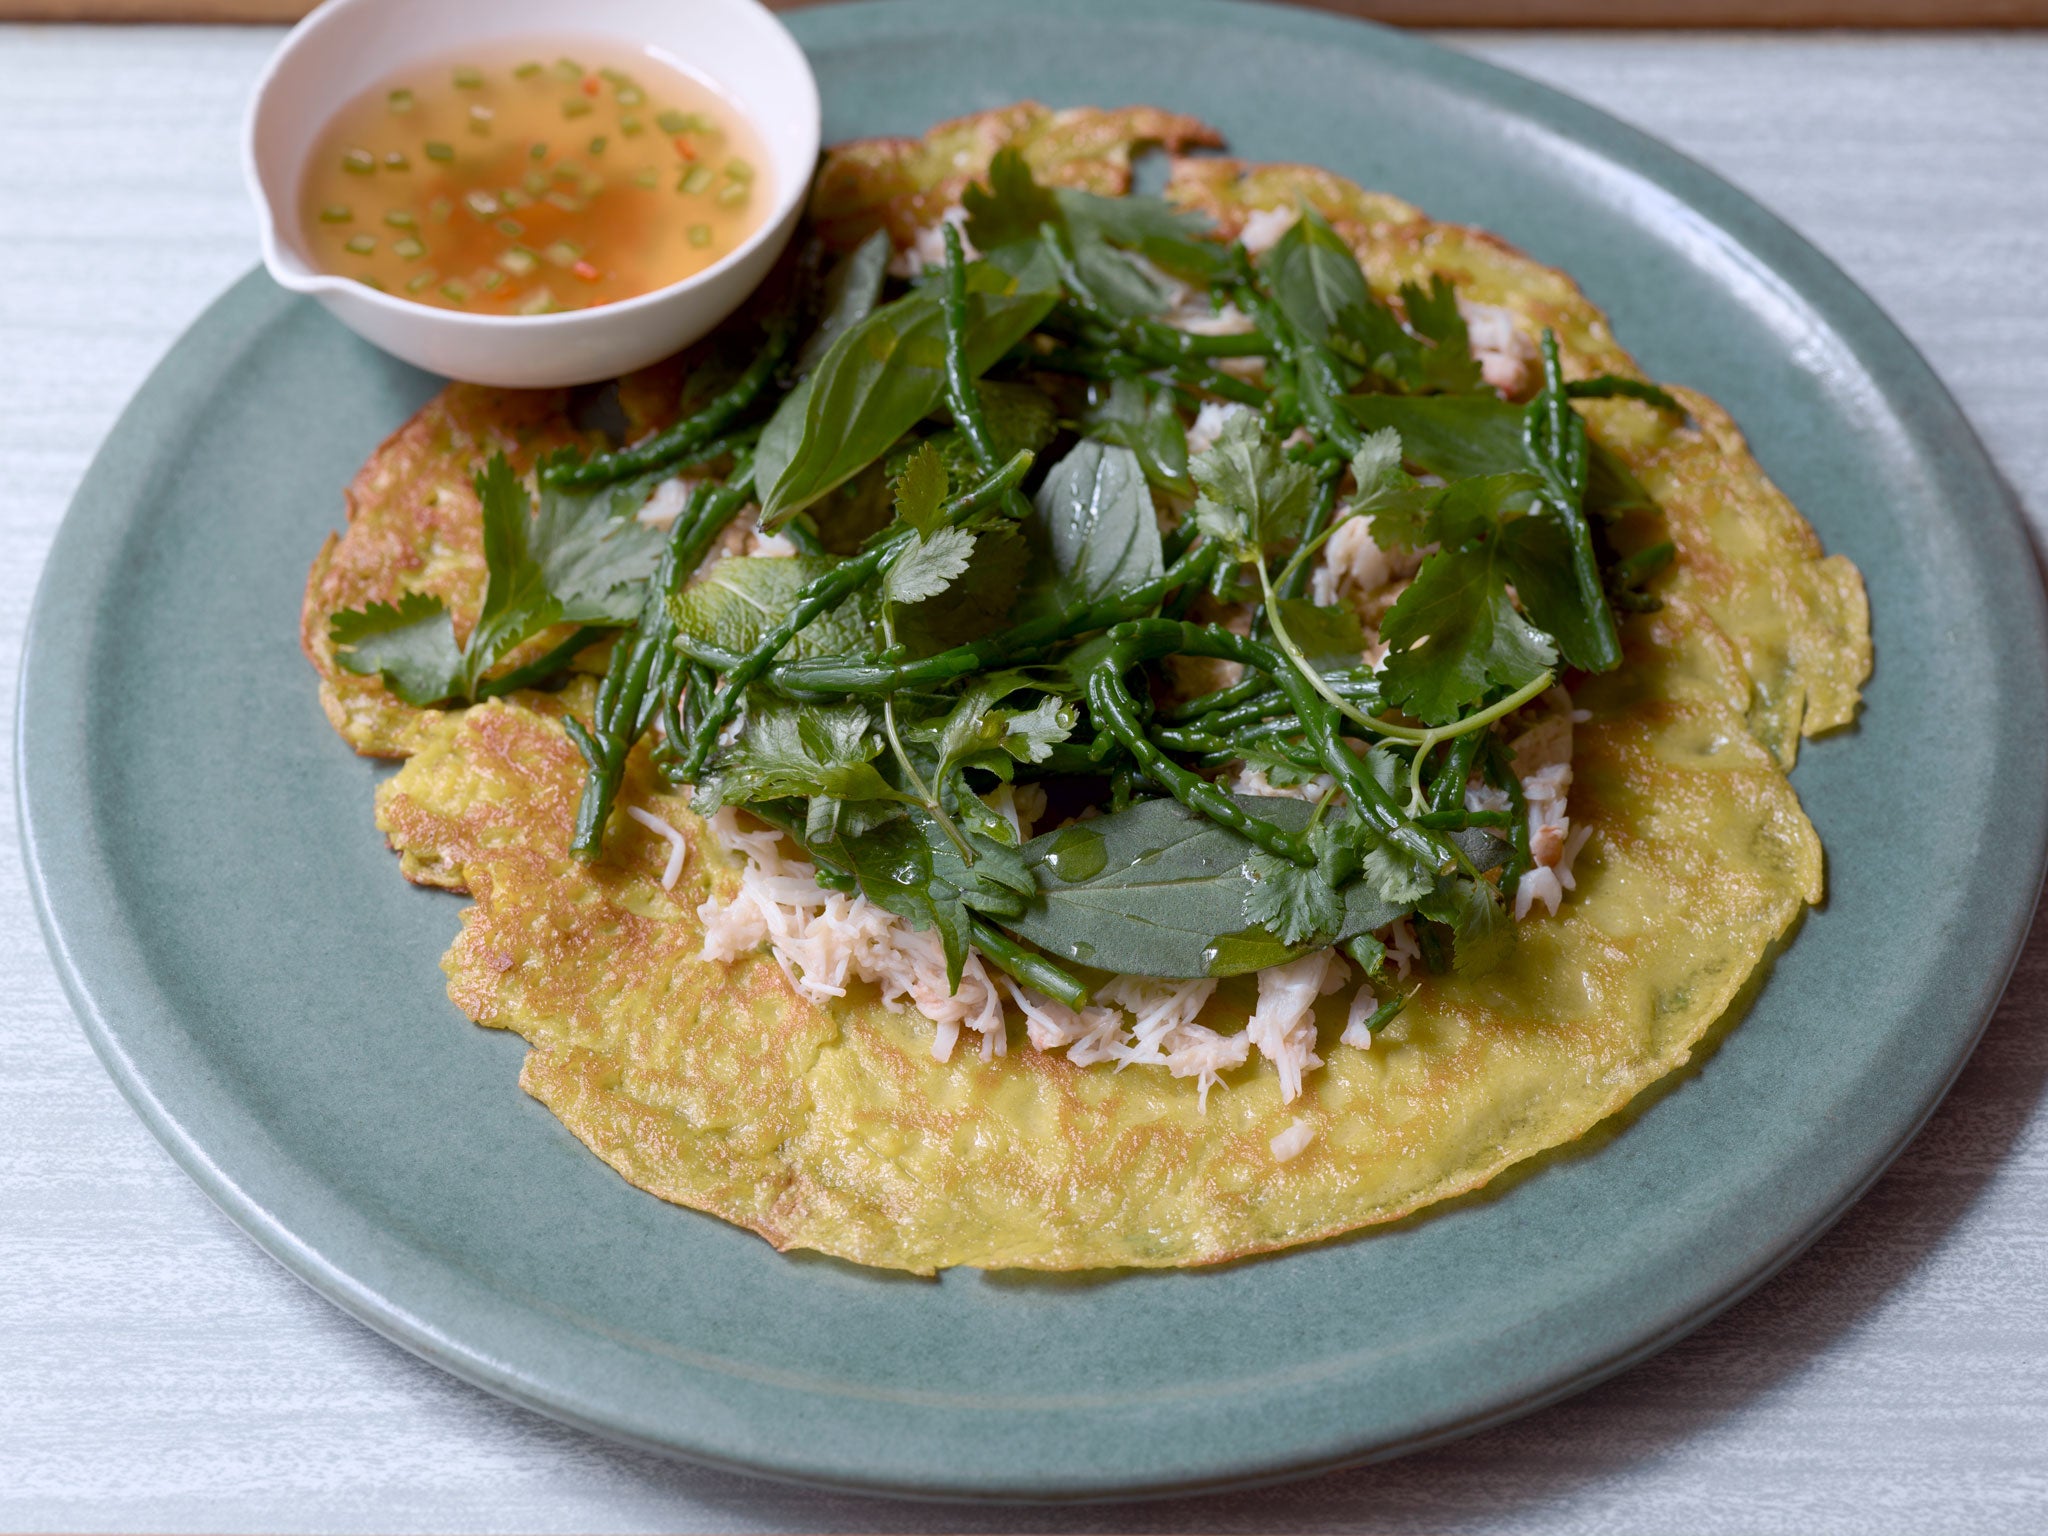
point(78, 911)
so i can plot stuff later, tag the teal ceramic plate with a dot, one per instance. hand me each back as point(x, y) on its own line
point(264, 987)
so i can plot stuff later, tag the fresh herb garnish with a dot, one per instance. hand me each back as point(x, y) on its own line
point(1002, 535)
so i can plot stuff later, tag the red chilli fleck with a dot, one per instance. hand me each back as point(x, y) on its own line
point(590, 85)
point(586, 271)
point(683, 148)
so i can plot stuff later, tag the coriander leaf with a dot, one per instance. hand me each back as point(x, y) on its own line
point(1328, 638)
point(1011, 207)
point(1482, 931)
point(1455, 633)
point(591, 558)
point(1031, 735)
point(576, 563)
point(1536, 554)
point(1092, 527)
point(411, 643)
point(852, 289)
point(1137, 414)
point(1395, 875)
point(1226, 525)
point(921, 490)
point(910, 868)
point(979, 599)
point(797, 750)
point(977, 732)
point(1297, 904)
point(1245, 472)
point(1448, 363)
point(1387, 494)
point(927, 568)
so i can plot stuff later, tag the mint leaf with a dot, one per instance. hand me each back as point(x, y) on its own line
point(735, 603)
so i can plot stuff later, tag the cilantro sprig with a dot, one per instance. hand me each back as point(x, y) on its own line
point(1003, 541)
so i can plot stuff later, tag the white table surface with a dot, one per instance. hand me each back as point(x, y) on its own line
point(159, 1373)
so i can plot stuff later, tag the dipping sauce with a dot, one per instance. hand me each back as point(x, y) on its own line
point(527, 181)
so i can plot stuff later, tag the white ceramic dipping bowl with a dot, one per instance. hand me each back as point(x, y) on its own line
point(347, 46)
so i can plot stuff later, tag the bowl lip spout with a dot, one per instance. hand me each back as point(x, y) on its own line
point(369, 52)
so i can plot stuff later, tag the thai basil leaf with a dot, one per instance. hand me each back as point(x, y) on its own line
point(1092, 529)
point(1157, 890)
point(885, 374)
point(852, 290)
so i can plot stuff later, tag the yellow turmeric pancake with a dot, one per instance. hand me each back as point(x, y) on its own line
point(832, 1127)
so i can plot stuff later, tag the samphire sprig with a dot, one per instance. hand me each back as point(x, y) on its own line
point(986, 478)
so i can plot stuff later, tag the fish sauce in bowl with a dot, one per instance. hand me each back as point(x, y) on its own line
point(532, 181)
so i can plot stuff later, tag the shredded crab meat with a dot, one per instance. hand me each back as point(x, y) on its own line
point(1292, 1142)
point(1253, 781)
point(1263, 228)
point(1208, 424)
point(928, 247)
point(1363, 1006)
point(1283, 1026)
point(1507, 355)
point(1087, 1035)
point(665, 504)
point(673, 869)
point(772, 546)
point(823, 939)
point(1402, 950)
point(1197, 318)
point(1543, 762)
